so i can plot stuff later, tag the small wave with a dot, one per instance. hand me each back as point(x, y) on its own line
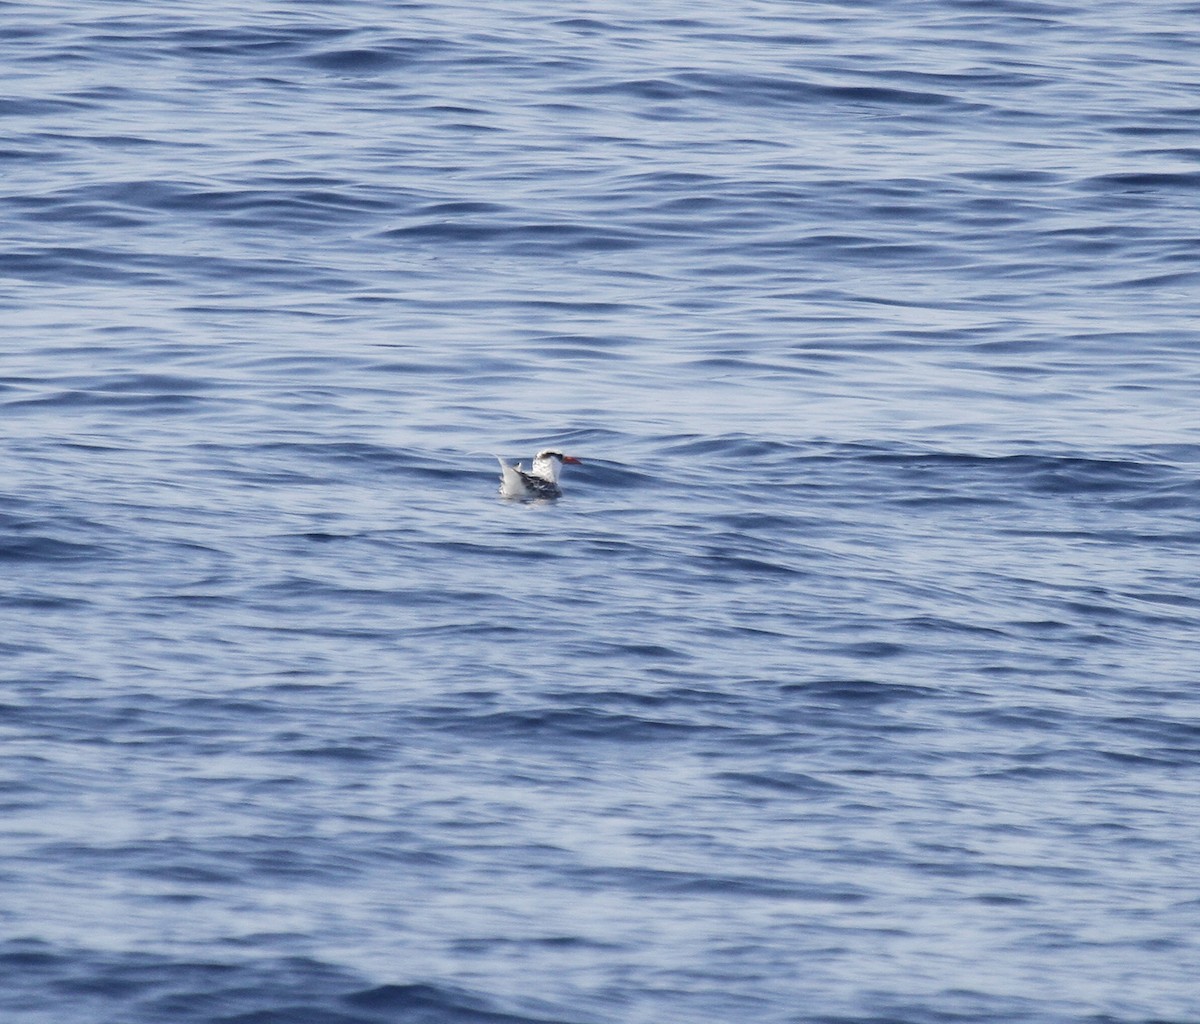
point(144, 988)
point(1143, 181)
point(545, 724)
point(45, 548)
point(53, 537)
point(527, 238)
point(648, 882)
point(780, 782)
point(430, 1002)
point(851, 692)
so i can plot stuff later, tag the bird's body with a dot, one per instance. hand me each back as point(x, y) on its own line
point(541, 481)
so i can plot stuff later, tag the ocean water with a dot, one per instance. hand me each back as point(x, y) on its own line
point(853, 679)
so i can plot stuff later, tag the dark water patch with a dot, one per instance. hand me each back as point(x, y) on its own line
point(743, 88)
point(523, 238)
point(504, 552)
point(429, 1004)
point(465, 208)
point(730, 565)
point(20, 156)
point(374, 60)
point(158, 393)
point(83, 214)
point(1170, 600)
point(874, 650)
point(565, 942)
point(145, 988)
point(657, 89)
point(1013, 176)
point(853, 693)
point(1143, 181)
point(96, 266)
point(338, 753)
point(580, 722)
point(318, 463)
point(1158, 280)
point(779, 782)
point(935, 624)
point(43, 548)
point(41, 107)
point(651, 882)
point(1181, 737)
point(633, 650)
point(1045, 474)
point(135, 203)
point(37, 534)
point(1189, 153)
point(245, 40)
point(730, 447)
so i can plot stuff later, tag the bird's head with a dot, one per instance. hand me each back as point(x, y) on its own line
point(548, 464)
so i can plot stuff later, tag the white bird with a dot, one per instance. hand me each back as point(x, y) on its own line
point(540, 482)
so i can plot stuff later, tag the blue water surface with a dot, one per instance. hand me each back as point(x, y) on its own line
point(852, 681)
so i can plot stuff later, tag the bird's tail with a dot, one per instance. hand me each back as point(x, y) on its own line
point(511, 484)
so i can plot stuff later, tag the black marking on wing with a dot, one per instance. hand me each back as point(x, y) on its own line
point(538, 487)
